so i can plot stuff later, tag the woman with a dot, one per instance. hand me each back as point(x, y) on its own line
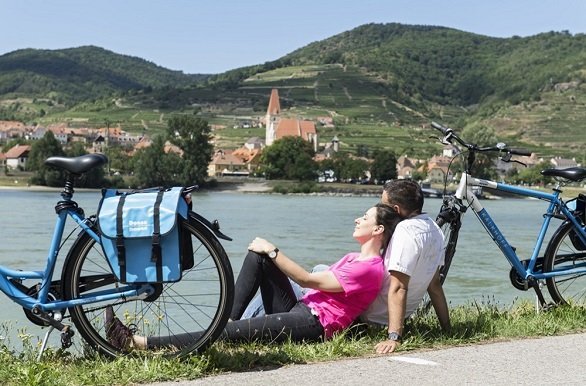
point(336, 298)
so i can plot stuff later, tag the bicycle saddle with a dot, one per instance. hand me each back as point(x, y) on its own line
point(77, 165)
point(572, 174)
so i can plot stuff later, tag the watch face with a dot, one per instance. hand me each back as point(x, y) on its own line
point(394, 336)
point(273, 253)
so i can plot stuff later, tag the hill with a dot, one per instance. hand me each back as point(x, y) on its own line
point(380, 83)
point(78, 74)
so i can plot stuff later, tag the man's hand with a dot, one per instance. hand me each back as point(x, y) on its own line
point(387, 346)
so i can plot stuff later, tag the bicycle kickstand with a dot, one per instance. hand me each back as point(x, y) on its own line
point(54, 323)
point(541, 303)
point(44, 344)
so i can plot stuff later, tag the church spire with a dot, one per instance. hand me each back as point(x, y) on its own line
point(273, 112)
point(274, 105)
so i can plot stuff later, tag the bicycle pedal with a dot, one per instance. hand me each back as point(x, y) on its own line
point(67, 337)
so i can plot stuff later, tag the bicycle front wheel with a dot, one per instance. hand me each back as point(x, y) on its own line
point(450, 229)
point(200, 302)
point(561, 254)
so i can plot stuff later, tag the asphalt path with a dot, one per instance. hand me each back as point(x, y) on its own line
point(550, 360)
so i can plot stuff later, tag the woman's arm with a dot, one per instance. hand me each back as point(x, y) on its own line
point(324, 281)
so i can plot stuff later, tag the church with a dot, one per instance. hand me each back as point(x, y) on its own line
point(278, 127)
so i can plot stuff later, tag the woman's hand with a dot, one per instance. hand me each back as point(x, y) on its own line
point(260, 245)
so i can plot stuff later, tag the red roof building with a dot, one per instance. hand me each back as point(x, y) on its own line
point(17, 156)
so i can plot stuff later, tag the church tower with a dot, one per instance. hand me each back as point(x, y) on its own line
point(272, 118)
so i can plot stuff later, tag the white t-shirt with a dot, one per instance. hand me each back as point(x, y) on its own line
point(417, 250)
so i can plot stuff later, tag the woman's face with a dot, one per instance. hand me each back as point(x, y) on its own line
point(365, 226)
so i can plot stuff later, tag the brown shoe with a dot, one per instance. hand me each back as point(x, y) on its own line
point(118, 335)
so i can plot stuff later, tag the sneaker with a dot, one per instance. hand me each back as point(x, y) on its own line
point(118, 335)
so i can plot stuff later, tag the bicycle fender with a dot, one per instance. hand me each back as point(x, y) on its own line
point(559, 230)
point(213, 226)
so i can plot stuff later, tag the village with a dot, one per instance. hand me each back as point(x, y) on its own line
point(243, 161)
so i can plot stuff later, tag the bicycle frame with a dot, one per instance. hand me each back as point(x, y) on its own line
point(556, 206)
point(42, 301)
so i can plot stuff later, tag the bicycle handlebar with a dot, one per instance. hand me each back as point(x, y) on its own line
point(450, 135)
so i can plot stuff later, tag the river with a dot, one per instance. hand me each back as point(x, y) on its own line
point(311, 229)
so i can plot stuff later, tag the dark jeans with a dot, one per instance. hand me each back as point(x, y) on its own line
point(286, 318)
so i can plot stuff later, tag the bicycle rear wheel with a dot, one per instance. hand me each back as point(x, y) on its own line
point(201, 301)
point(561, 254)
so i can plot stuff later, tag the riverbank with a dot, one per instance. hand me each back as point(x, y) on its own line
point(473, 327)
point(258, 185)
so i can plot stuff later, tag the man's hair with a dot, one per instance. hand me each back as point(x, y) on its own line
point(405, 193)
point(388, 217)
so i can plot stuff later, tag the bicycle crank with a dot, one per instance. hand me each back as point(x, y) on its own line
point(54, 320)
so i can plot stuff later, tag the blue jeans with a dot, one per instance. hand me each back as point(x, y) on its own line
point(256, 308)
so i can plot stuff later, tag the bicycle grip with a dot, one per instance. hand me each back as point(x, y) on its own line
point(520, 152)
point(443, 129)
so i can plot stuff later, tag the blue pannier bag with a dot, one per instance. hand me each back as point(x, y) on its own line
point(141, 233)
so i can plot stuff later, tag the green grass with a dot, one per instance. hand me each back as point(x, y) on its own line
point(477, 322)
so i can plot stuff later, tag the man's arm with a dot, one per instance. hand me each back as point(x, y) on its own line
point(438, 300)
point(397, 306)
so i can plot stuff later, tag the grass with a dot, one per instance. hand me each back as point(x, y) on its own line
point(477, 322)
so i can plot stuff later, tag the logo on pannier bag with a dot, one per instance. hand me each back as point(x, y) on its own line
point(137, 226)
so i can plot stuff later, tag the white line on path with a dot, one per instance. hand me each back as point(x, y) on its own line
point(415, 361)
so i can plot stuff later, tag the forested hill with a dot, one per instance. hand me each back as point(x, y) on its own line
point(454, 67)
point(428, 63)
point(82, 73)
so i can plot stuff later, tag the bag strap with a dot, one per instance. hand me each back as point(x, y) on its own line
point(156, 247)
point(120, 239)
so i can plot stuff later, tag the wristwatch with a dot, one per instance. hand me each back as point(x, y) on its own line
point(273, 254)
point(394, 336)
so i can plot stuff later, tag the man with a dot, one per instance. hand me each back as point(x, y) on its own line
point(412, 259)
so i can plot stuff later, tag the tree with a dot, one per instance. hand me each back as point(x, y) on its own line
point(384, 165)
point(289, 158)
point(532, 175)
point(42, 149)
point(119, 160)
point(353, 169)
point(192, 135)
point(154, 167)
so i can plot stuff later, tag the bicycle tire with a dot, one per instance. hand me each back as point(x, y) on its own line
point(451, 230)
point(562, 254)
point(200, 301)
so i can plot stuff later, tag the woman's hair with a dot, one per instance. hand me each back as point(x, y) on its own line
point(388, 217)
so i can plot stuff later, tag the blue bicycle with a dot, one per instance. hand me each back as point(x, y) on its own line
point(563, 265)
point(200, 300)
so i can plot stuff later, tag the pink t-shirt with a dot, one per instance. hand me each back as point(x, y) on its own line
point(361, 281)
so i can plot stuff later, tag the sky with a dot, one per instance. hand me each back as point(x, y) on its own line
point(213, 36)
